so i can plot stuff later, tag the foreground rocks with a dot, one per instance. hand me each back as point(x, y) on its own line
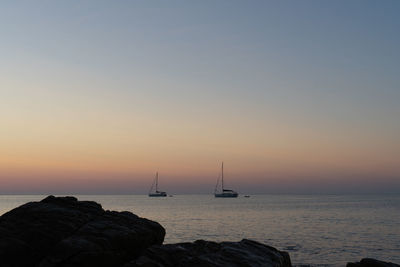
point(206, 253)
point(61, 231)
point(371, 263)
point(65, 232)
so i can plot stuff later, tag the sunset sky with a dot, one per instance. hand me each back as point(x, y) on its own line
point(293, 96)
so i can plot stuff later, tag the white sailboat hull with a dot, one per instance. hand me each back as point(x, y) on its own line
point(160, 194)
point(234, 194)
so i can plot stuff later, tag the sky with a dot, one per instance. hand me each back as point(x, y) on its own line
point(293, 96)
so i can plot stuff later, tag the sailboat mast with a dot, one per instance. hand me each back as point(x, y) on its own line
point(222, 168)
point(156, 181)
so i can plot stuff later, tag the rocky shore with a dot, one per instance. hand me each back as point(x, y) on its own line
point(65, 232)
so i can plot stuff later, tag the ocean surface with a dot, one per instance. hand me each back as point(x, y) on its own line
point(315, 229)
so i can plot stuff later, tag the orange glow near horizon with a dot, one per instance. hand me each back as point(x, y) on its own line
point(62, 167)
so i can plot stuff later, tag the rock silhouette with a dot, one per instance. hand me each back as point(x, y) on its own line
point(206, 253)
point(65, 232)
point(62, 231)
point(367, 262)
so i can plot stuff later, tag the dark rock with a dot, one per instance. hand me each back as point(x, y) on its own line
point(206, 253)
point(65, 232)
point(371, 263)
point(62, 231)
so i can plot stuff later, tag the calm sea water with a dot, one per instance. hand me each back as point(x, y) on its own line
point(314, 229)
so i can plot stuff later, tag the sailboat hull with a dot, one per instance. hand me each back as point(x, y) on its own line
point(157, 195)
point(226, 194)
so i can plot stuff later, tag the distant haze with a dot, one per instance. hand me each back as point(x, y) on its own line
point(294, 97)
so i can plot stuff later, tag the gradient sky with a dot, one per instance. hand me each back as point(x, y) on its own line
point(294, 96)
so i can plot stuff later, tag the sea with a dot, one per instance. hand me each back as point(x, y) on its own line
point(316, 230)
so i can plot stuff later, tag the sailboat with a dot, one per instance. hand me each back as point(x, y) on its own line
point(156, 193)
point(224, 192)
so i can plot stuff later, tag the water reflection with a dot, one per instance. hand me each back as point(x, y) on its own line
point(313, 229)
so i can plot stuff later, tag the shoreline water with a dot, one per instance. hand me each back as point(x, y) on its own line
point(315, 230)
